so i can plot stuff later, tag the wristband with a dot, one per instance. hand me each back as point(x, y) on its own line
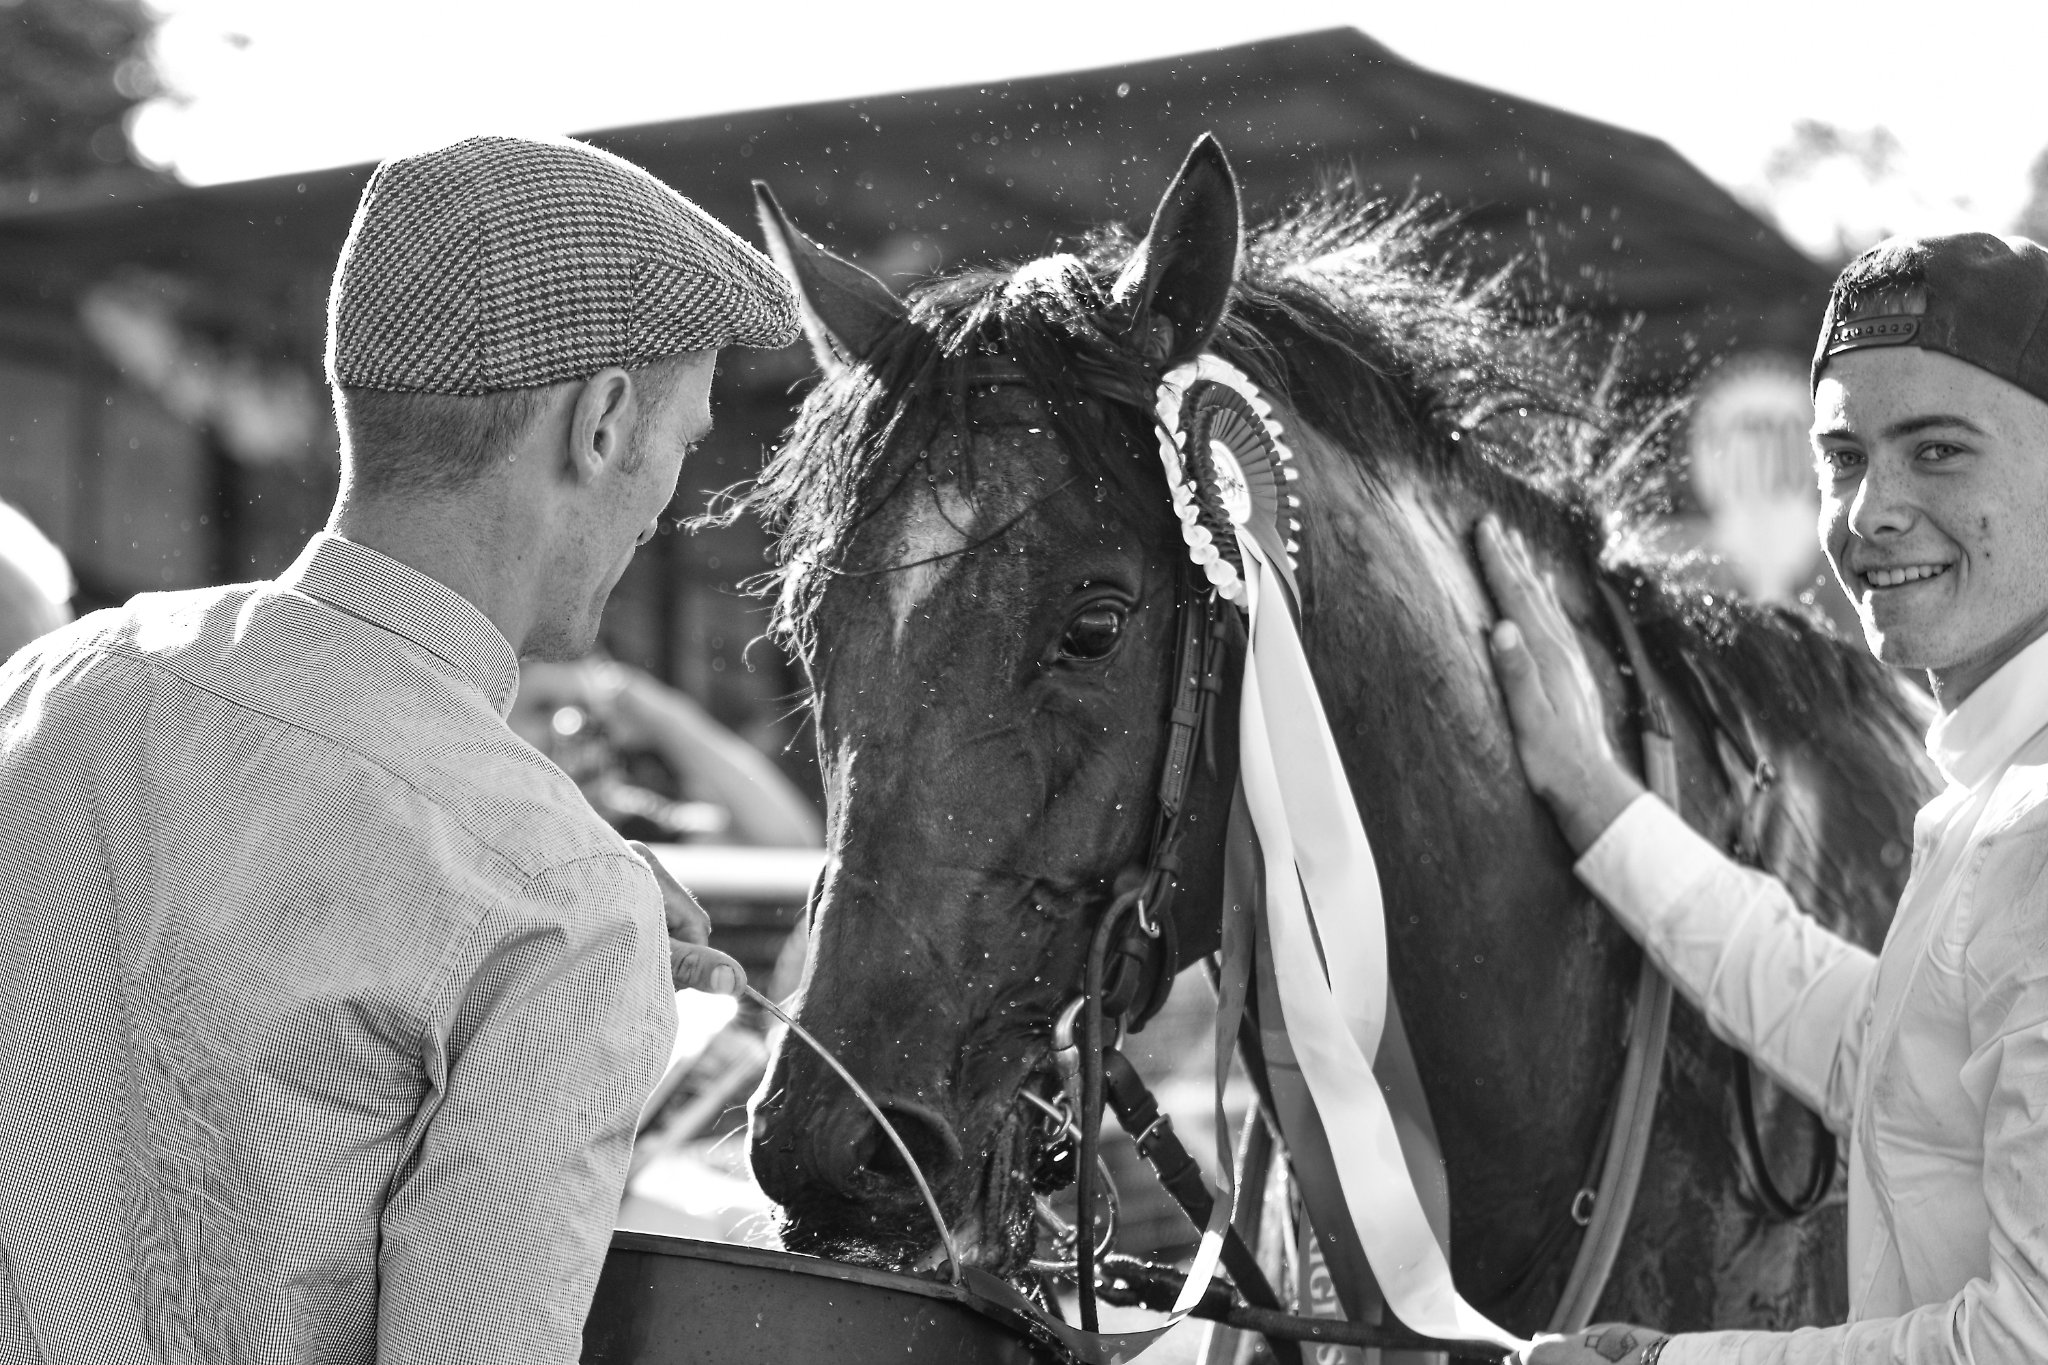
point(1654, 1352)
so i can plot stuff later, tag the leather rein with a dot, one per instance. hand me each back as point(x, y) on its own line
point(1605, 1201)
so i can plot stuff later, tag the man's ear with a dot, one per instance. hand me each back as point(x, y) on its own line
point(599, 423)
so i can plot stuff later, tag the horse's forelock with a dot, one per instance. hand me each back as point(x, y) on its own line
point(860, 431)
point(1062, 280)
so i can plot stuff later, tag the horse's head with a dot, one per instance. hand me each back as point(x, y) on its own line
point(979, 571)
point(981, 585)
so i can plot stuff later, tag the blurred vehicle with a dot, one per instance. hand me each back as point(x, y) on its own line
point(653, 762)
point(35, 582)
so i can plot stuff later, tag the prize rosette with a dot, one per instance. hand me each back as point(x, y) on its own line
point(1227, 469)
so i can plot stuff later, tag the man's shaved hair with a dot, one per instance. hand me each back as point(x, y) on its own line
point(428, 443)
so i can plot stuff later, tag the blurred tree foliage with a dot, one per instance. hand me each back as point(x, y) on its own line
point(70, 70)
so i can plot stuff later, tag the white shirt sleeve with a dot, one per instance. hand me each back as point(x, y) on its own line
point(1769, 979)
point(1999, 1315)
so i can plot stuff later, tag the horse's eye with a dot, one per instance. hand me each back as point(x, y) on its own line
point(1093, 634)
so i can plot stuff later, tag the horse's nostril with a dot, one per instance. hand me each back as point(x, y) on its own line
point(841, 1149)
point(929, 1138)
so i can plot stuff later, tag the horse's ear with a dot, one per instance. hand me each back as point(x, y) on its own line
point(845, 309)
point(1174, 289)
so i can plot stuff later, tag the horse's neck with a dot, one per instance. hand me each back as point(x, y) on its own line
point(1820, 798)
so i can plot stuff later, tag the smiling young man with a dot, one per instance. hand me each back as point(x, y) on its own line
point(1931, 432)
point(327, 1005)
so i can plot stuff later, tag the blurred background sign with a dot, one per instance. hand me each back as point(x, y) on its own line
point(1752, 472)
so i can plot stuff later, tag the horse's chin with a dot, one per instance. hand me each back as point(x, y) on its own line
point(993, 1225)
point(1006, 1255)
point(1002, 1226)
point(808, 1239)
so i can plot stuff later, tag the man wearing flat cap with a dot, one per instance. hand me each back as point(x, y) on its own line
point(1930, 386)
point(327, 1006)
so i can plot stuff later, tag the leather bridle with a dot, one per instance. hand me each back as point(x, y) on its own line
point(1134, 953)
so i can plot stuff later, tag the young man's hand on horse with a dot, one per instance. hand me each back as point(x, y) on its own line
point(692, 962)
point(1604, 1343)
point(1553, 703)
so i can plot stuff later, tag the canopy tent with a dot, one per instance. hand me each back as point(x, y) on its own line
point(210, 301)
point(1617, 222)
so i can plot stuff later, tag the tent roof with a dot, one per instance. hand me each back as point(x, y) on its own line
point(1615, 222)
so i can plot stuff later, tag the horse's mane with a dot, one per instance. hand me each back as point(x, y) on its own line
point(1347, 309)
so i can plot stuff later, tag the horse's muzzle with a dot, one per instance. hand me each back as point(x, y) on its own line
point(833, 1149)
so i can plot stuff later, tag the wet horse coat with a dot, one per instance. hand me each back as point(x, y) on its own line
point(980, 579)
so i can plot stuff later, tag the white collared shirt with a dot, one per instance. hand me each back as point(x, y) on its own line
point(1932, 1057)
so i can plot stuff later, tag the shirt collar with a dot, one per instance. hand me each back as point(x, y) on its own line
point(1977, 739)
point(378, 589)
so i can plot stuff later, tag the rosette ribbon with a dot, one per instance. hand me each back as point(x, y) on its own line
point(1305, 926)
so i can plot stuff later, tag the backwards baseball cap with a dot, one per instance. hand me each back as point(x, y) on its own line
point(507, 263)
point(1979, 298)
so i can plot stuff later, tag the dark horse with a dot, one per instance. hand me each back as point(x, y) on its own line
point(980, 579)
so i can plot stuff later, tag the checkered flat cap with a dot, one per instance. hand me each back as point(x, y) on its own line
point(507, 263)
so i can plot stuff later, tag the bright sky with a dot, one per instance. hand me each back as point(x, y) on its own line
point(283, 85)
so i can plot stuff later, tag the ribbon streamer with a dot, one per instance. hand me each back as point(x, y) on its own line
point(1302, 894)
point(1321, 886)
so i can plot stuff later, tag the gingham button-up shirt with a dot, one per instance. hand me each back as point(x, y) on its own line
point(326, 1004)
